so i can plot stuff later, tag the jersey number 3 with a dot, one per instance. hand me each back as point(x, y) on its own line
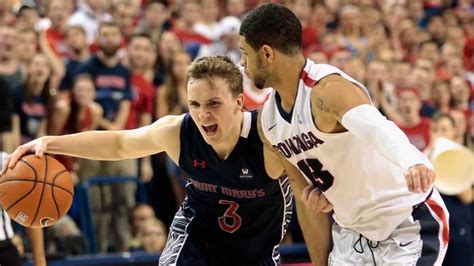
point(313, 169)
point(230, 221)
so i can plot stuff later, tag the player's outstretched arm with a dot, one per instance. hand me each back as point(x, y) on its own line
point(348, 104)
point(163, 135)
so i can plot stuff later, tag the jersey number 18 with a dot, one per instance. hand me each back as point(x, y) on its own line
point(313, 169)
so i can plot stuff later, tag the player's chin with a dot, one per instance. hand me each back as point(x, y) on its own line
point(211, 138)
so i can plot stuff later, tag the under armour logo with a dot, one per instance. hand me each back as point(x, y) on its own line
point(201, 163)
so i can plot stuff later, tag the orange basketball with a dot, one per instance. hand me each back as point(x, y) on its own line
point(37, 192)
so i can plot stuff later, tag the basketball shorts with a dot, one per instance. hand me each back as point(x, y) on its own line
point(421, 239)
point(182, 249)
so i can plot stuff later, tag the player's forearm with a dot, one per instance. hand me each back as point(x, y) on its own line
point(93, 145)
point(369, 125)
point(315, 226)
point(316, 229)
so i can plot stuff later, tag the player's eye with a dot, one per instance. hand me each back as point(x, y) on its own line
point(194, 104)
point(214, 103)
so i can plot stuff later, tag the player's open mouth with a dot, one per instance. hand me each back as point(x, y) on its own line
point(210, 129)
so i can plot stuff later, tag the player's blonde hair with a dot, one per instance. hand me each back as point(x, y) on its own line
point(210, 67)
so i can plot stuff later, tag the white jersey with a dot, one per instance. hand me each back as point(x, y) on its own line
point(368, 192)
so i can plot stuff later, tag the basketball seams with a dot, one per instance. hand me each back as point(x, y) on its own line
point(42, 182)
point(52, 192)
point(27, 200)
point(32, 188)
point(42, 190)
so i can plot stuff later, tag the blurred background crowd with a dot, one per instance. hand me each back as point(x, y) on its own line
point(68, 66)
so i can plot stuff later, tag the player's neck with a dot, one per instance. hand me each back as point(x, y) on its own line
point(224, 149)
point(287, 78)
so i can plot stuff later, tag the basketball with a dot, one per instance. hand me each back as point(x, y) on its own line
point(37, 192)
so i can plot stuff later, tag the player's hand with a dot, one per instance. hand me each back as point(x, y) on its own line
point(314, 199)
point(419, 178)
point(37, 146)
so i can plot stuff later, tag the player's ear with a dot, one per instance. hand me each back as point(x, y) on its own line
point(240, 101)
point(267, 53)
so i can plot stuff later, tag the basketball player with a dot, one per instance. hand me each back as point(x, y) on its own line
point(237, 209)
point(323, 122)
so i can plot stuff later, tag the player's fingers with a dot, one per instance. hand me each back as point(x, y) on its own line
point(305, 195)
point(409, 180)
point(423, 179)
point(313, 199)
point(5, 162)
point(323, 204)
point(431, 177)
point(13, 158)
point(327, 208)
point(39, 152)
point(415, 174)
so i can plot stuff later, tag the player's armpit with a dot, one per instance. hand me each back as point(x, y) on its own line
point(273, 163)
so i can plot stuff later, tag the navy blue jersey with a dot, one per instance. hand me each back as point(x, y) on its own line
point(233, 204)
point(112, 84)
point(68, 80)
point(31, 112)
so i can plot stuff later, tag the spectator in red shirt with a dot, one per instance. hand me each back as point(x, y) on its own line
point(302, 10)
point(416, 128)
point(184, 25)
point(57, 11)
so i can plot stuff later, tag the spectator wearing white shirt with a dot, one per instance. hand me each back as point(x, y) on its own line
point(89, 15)
point(228, 43)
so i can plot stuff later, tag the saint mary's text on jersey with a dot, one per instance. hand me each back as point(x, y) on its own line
point(236, 193)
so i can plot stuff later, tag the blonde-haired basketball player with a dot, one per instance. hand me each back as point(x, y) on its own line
point(322, 121)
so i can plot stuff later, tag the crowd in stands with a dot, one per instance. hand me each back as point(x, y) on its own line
point(68, 66)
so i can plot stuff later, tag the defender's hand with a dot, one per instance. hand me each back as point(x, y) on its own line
point(37, 146)
point(419, 178)
point(314, 199)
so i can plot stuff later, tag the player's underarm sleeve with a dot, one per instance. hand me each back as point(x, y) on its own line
point(368, 124)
